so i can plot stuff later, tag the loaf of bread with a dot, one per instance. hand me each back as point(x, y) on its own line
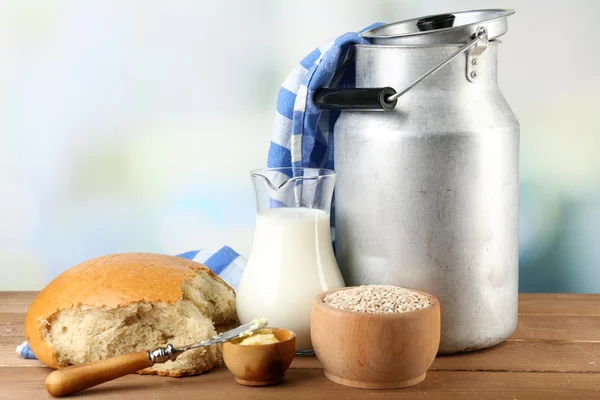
point(123, 303)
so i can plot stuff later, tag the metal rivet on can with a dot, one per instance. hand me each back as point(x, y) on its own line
point(474, 74)
point(475, 61)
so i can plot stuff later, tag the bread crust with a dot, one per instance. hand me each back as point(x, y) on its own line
point(111, 281)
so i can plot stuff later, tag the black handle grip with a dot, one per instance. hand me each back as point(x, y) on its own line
point(439, 21)
point(355, 99)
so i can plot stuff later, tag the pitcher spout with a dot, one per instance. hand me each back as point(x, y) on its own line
point(293, 187)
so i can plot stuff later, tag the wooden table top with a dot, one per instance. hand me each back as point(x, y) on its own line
point(554, 353)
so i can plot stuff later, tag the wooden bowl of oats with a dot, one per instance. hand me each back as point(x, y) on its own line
point(375, 336)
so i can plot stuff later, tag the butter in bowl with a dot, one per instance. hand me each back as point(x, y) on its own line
point(375, 336)
point(262, 358)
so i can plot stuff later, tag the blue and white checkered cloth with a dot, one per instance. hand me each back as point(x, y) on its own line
point(223, 261)
point(302, 134)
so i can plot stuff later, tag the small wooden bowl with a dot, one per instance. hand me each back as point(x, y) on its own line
point(375, 351)
point(263, 364)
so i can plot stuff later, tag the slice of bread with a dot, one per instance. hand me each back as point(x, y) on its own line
point(123, 303)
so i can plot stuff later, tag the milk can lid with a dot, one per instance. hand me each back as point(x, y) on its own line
point(450, 28)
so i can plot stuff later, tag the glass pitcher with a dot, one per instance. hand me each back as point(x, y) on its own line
point(292, 257)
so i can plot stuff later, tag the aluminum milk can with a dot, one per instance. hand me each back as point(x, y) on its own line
point(427, 189)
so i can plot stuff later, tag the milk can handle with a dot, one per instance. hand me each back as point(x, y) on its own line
point(367, 98)
point(355, 99)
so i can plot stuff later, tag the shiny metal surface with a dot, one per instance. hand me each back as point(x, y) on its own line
point(465, 26)
point(427, 194)
point(473, 55)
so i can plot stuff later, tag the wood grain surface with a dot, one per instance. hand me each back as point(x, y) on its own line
point(554, 354)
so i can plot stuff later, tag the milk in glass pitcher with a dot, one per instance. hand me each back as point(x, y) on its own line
point(292, 257)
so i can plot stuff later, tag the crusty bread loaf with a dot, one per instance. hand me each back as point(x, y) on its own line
point(122, 303)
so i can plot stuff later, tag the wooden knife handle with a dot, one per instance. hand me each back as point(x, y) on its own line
point(79, 377)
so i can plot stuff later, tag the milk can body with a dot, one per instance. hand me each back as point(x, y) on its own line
point(427, 193)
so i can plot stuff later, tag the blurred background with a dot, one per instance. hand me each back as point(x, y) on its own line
point(132, 125)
